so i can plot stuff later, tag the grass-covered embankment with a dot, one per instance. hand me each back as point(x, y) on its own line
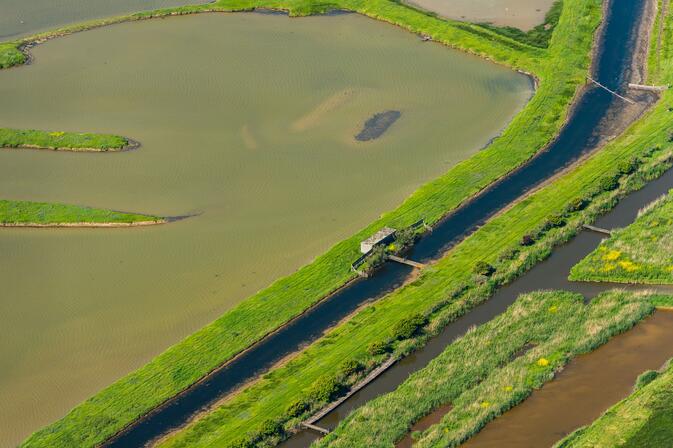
point(558, 326)
point(62, 141)
point(640, 253)
point(511, 243)
point(560, 70)
point(42, 214)
point(642, 420)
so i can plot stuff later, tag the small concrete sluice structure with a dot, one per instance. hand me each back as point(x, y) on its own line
point(385, 235)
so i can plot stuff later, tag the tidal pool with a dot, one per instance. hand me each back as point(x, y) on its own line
point(247, 121)
point(23, 17)
point(522, 14)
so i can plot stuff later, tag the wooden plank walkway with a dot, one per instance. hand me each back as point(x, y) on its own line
point(611, 91)
point(648, 88)
point(411, 263)
point(315, 428)
point(597, 229)
point(310, 422)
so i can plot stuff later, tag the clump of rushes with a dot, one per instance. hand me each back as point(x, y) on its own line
point(409, 327)
point(60, 140)
point(10, 55)
point(483, 268)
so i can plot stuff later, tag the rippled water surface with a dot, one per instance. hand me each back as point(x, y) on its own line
point(22, 17)
point(522, 14)
point(248, 122)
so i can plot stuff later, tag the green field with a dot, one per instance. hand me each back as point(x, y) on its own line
point(556, 324)
point(640, 253)
point(642, 420)
point(17, 213)
point(59, 140)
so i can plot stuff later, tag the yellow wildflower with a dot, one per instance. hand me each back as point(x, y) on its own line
point(612, 255)
point(485, 404)
point(508, 388)
point(553, 309)
point(608, 267)
point(628, 266)
point(543, 362)
point(57, 134)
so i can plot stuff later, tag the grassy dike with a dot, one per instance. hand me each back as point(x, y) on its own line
point(560, 71)
point(642, 420)
point(267, 410)
point(42, 214)
point(510, 356)
point(640, 253)
point(62, 141)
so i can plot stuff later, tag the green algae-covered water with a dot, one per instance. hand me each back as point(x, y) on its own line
point(22, 17)
point(247, 122)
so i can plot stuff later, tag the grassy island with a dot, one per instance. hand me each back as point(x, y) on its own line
point(640, 253)
point(42, 214)
point(62, 141)
point(642, 420)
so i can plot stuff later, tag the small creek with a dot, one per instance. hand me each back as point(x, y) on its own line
point(589, 385)
point(577, 138)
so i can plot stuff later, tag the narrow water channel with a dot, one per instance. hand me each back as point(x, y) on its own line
point(588, 386)
point(550, 274)
point(579, 136)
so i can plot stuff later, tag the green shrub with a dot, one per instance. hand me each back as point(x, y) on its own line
point(377, 348)
point(528, 240)
point(577, 204)
point(608, 183)
point(326, 388)
point(645, 378)
point(555, 221)
point(628, 166)
point(409, 327)
point(483, 268)
point(350, 367)
point(297, 408)
point(270, 428)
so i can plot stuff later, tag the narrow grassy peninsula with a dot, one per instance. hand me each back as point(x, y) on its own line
point(511, 356)
point(640, 253)
point(42, 214)
point(644, 419)
point(62, 141)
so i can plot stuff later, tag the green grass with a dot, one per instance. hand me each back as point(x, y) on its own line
point(10, 55)
point(640, 253)
point(557, 324)
point(29, 138)
point(642, 420)
point(443, 292)
point(41, 213)
point(560, 70)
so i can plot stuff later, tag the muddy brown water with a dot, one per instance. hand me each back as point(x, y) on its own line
point(267, 164)
point(584, 390)
point(522, 14)
point(423, 424)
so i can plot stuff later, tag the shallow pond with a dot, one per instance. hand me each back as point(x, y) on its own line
point(247, 121)
point(522, 14)
point(23, 17)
